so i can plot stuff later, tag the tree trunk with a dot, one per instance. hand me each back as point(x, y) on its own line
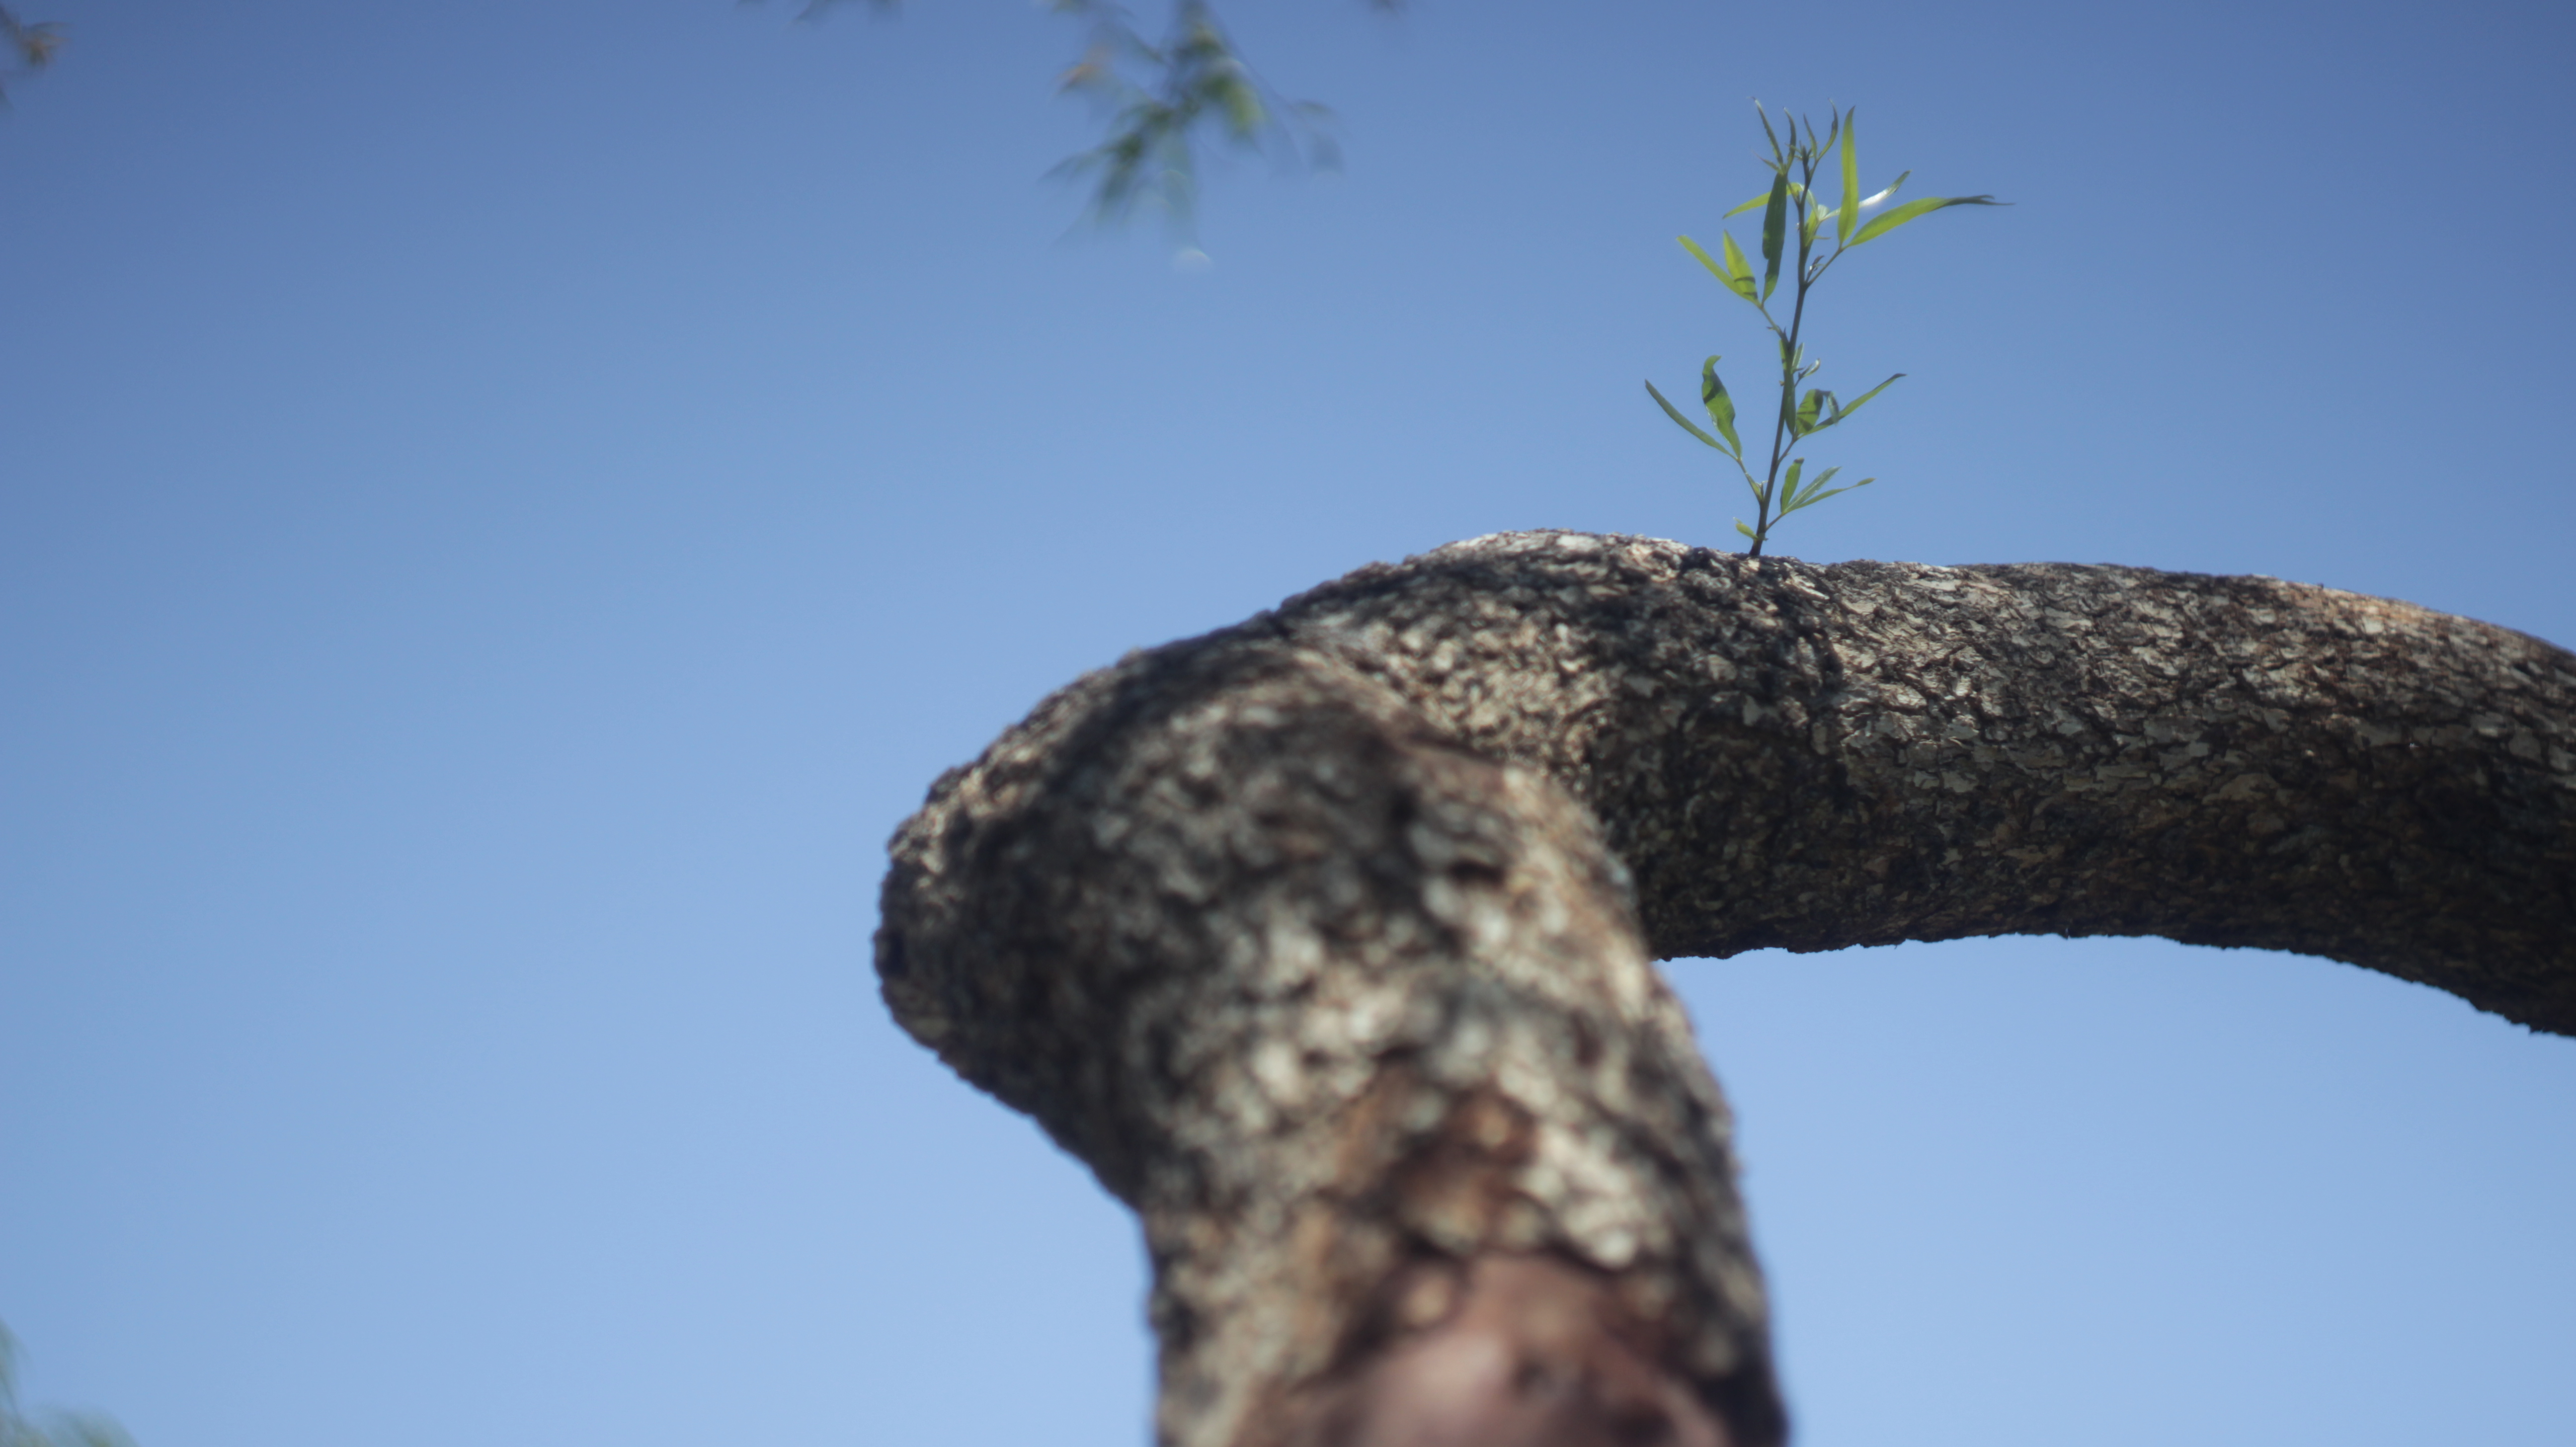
point(1325, 939)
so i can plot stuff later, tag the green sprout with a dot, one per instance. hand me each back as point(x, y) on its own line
point(1790, 200)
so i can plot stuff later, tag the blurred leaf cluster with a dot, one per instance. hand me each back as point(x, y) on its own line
point(1790, 207)
point(1166, 102)
point(61, 1429)
point(25, 47)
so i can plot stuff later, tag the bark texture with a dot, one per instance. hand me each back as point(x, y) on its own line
point(1326, 939)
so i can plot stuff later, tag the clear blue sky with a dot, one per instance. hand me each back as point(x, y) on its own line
point(504, 506)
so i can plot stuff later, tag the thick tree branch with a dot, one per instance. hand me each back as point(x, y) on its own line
point(1324, 939)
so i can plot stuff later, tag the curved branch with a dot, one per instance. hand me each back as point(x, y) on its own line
point(1324, 939)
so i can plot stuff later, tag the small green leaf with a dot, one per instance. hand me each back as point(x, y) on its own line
point(1705, 259)
point(1721, 407)
point(1760, 197)
point(1774, 135)
point(1796, 465)
point(1737, 276)
point(1685, 423)
point(1887, 221)
point(1815, 222)
point(1739, 272)
point(1741, 528)
point(1815, 485)
point(1814, 496)
point(1810, 407)
point(1775, 231)
point(1848, 214)
point(1842, 412)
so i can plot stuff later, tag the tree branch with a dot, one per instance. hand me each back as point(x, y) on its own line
point(1324, 939)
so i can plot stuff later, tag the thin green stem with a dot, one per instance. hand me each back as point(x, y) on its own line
point(1806, 157)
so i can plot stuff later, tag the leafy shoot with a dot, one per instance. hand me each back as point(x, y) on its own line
point(1790, 206)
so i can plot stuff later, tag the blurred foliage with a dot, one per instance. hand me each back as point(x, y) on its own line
point(1166, 103)
point(62, 1429)
point(25, 48)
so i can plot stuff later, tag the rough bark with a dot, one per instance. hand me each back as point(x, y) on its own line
point(1325, 939)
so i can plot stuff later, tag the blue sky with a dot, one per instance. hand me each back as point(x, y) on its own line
point(504, 507)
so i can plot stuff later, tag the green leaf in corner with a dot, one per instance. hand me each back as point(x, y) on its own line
point(1887, 221)
point(1741, 528)
point(1683, 422)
